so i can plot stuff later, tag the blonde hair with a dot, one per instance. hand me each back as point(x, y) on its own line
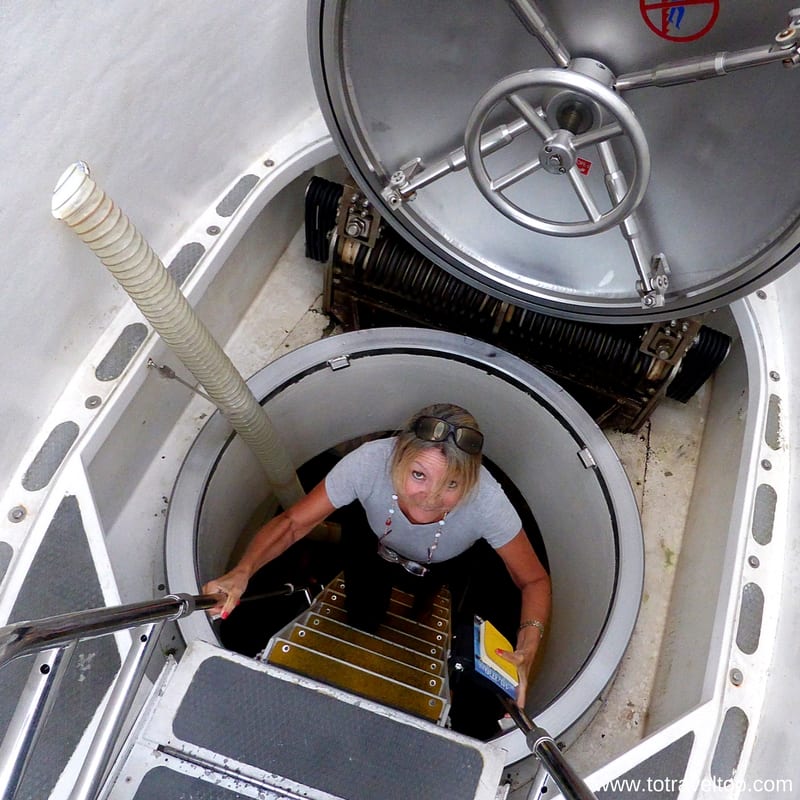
point(463, 468)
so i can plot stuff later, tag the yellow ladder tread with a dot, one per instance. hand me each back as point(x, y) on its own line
point(431, 662)
point(361, 682)
point(399, 603)
point(394, 628)
point(368, 659)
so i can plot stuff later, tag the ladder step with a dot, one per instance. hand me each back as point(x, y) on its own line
point(396, 609)
point(397, 629)
point(400, 604)
point(441, 600)
point(366, 659)
point(427, 662)
point(297, 658)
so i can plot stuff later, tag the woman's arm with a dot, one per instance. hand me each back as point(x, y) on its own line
point(268, 543)
point(533, 582)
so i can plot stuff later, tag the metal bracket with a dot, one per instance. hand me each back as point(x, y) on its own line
point(397, 190)
point(653, 288)
point(167, 372)
point(340, 362)
point(788, 40)
point(357, 218)
point(668, 341)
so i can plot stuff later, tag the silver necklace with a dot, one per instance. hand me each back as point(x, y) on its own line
point(436, 536)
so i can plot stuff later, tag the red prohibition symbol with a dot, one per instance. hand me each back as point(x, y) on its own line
point(678, 21)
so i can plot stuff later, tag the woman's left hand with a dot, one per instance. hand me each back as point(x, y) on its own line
point(522, 657)
point(533, 581)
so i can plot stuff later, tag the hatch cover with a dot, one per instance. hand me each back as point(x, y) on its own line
point(605, 161)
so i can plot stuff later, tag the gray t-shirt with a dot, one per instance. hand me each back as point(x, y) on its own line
point(363, 475)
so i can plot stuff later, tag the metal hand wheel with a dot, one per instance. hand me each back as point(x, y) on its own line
point(558, 153)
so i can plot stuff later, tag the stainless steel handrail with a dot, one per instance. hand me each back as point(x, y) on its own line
point(95, 767)
point(55, 634)
point(542, 745)
point(27, 721)
point(31, 636)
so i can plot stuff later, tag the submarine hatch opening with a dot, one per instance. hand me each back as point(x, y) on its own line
point(538, 436)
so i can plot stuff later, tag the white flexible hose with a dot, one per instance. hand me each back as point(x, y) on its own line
point(99, 223)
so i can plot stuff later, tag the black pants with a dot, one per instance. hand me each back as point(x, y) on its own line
point(368, 586)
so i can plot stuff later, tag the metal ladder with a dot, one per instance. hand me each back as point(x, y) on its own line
point(403, 665)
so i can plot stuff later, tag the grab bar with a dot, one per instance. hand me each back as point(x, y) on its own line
point(541, 744)
point(58, 635)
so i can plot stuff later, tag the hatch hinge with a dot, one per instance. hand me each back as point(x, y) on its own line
point(668, 341)
point(397, 190)
point(652, 287)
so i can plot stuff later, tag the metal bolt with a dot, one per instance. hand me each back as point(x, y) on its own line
point(548, 149)
point(775, 376)
point(766, 463)
point(754, 562)
point(761, 294)
point(213, 230)
point(269, 163)
point(736, 677)
point(562, 170)
point(663, 353)
point(17, 514)
point(93, 401)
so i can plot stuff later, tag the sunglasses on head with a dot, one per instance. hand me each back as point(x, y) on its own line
point(434, 429)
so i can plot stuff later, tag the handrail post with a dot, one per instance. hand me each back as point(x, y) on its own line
point(32, 709)
point(93, 771)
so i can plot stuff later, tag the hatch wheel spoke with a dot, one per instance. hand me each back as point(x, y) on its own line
point(580, 112)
